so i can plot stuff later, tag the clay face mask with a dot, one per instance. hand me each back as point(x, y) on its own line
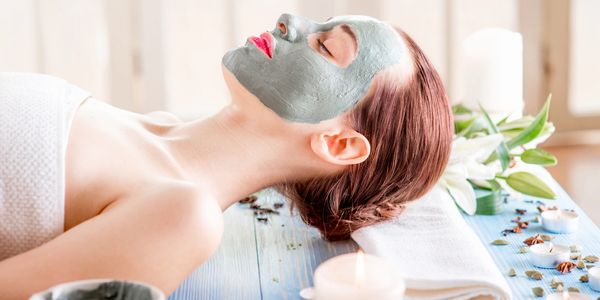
point(300, 84)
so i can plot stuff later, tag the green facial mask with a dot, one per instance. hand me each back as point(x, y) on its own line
point(300, 84)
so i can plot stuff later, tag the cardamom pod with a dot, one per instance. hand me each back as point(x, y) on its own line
point(575, 256)
point(546, 237)
point(512, 272)
point(584, 278)
point(591, 258)
point(500, 242)
point(559, 288)
point(538, 291)
point(580, 265)
point(555, 283)
point(534, 274)
point(573, 289)
point(524, 249)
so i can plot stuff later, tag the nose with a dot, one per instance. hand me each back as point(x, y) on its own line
point(290, 26)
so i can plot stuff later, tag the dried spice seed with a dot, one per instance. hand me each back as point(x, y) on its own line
point(580, 264)
point(520, 211)
point(524, 249)
point(573, 289)
point(517, 229)
point(505, 232)
point(538, 291)
point(512, 272)
point(559, 288)
point(537, 219)
point(541, 208)
point(591, 259)
point(575, 248)
point(576, 256)
point(516, 220)
point(254, 206)
point(278, 205)
point(249, 199)
point(265, 210)
point(555, 283)
point(524, 224)
point(262, 219)
point(584, 278)
point(565, 267)
point(500, 242)
point(546, 237)
point(534, 240)
point(534, 274)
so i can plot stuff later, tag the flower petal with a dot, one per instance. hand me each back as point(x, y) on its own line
point(462, 193)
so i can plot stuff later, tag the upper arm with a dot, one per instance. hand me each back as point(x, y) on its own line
point(159, 238)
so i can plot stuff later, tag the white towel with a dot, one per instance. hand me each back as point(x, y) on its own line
point(35, 116)
point(436, 251)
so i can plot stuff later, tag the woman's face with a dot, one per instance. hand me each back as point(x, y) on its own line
point(309, 72)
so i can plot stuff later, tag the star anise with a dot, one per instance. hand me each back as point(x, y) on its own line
point(565, 267)
point(536, 239)
point(517, 229)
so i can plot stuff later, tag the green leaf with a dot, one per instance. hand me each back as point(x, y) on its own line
point(538, 157)
point(501, 122)
point(534, 129)
point(530, 184)
point(460, 109)
point(492, 185)
point(502, 150)
point(462, 126)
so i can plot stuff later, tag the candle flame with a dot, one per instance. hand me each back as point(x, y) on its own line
point(359, 275)
point(566, 295)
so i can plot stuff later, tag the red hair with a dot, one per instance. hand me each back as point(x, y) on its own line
point(409, 125)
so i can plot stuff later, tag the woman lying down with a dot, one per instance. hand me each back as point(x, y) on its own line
point(348, 118)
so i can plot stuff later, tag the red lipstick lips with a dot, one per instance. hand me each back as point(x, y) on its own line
point(264, 43)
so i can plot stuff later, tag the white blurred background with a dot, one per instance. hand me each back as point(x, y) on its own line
point(145, 55)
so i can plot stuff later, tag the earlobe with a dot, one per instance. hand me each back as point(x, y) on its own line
point(341, 147)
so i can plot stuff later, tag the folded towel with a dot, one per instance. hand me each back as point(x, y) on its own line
point(35, 116)
point(435, 250)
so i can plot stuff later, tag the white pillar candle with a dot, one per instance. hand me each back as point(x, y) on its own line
point(548, 255)
point(356, 276)
point(493, 72)
point(565, 295)
point(594, 278)
point(560, 221)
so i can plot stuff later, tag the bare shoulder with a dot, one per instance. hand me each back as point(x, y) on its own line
point(180, 207)
point(163, 116)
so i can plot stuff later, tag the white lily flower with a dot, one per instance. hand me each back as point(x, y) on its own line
point(466, 162)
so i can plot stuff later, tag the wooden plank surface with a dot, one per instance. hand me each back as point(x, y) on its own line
point(289, 251)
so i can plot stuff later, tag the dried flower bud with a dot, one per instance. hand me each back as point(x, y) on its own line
point(565, 267)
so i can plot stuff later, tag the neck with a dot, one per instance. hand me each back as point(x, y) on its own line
point(231, 155)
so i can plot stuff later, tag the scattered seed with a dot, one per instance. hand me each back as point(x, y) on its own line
point(580, 265)
point(516, 220)
point(524, 249)
point(500, 242)
point(541, 208)
point(560, 288)
point(537, 219)
point(538, 291)
point(520, 211)
point(517, 229)
point(254, 206)
point(278, 205)
point(555, 283)
point(534, 274)
point(573, 289)
point(575, 248)
point(249, 199)
point(524, 224)
point(262, 219)
point(591, 259)
point(512, 272)
point(546, 237)
point(584, 278)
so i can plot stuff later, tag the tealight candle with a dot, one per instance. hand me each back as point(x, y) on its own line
point(357, 276)
point(565, 295)
point(560, 221)
point(548, 255)
point(594, 278)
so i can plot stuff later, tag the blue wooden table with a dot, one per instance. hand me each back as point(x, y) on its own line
point(276, 259)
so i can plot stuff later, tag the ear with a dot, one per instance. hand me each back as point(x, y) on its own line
point(341, 146)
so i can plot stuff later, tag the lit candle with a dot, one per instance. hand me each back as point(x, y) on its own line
point(357, 276)
point(560, 221)
point(548, 255)
point(493, 72)
point(565, 295)
point(594, 278)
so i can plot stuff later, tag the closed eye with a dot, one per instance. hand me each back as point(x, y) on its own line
point(323, 48)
